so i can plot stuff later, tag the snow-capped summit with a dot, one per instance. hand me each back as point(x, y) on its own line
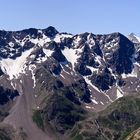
point(134, 38)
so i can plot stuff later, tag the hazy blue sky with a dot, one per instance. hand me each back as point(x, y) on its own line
point(74, 16)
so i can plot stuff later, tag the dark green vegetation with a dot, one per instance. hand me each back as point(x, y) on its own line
point(60, 113)
point(38, 118)
point(121, 118)
point(116, 122)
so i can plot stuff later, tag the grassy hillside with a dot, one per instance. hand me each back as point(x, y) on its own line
point(114, 123)
point(60, 113)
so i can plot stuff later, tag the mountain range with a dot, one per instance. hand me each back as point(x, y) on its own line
point(59, 86)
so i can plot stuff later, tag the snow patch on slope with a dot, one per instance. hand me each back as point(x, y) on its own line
point(40, 41)
point(14, 67)
point(60, 37)
point(90, 41)
point(119, 93)
point(137, 38)
point(48, 52)
point(32, 68)
point(72, 55)
point(90, 84)
point(11, 44)
point(94, 101)
point(93, 69)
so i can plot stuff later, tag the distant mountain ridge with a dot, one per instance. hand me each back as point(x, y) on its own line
point(134, 38)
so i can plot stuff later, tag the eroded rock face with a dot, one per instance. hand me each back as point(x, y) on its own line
point(58, 55)
point(50, 31)
point(1, 72)
point(103, 80)
point(123, 61)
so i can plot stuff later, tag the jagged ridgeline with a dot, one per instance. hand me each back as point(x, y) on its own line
point(57, 85)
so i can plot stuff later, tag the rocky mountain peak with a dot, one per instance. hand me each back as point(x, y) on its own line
point(50, 31)
point(105, 62)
